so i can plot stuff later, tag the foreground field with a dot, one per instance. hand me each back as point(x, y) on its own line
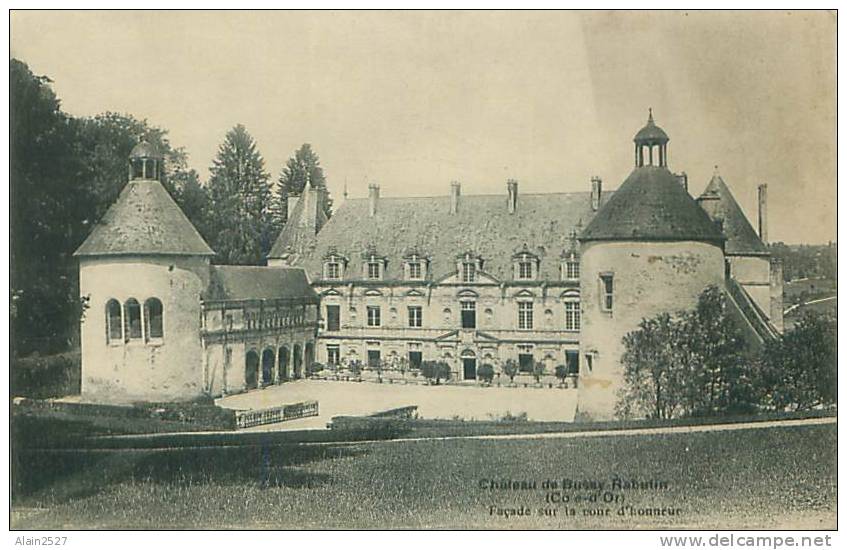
point(756, 478)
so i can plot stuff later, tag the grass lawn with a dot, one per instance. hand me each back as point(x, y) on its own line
point(756, 478)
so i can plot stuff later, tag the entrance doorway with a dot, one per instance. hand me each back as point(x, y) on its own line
point(298, 361)
point(268, 367)
point(469, 365)
point(284, 356)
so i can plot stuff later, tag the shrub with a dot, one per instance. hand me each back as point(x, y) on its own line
point(561, 373)
point(510, 369)
point(314, 368)
point(46, 376)
point(435, 370)
point(538, 370)
point(485, 373)
point(355, 367)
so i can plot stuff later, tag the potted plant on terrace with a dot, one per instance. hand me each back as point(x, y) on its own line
point(510, 369)
point(485, 373)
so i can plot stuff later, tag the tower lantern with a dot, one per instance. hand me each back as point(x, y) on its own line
point(651, 138)
point(145, 162)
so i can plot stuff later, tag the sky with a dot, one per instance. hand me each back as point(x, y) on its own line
point(414, 100)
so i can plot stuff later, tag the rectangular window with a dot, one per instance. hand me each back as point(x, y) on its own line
point(415, 359)
point(373, 358)
point(468, 272)
point(333, 318)
point(468, 314)
point(525, 315)
point(571, 315)
point(525, 358)
point(373, 316)
point(572, 270)
point(415, 316)
point(415, 271)
point(333, 270)
point(525, 270)
point(607, 289)
point(333, 354)
point(373, 270)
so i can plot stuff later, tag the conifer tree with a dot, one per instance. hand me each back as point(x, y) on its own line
point(304, 165)
point(241, 227)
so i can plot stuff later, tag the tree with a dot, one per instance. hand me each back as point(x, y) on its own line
point(538, 371)
point(510, 369)
point(302, 167)
point(691, 364)
point(49, 215)
point(241, 226)
point(799, 372)
point(561, 373)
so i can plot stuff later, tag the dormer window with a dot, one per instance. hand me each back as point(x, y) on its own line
point(374, 270)
point(416, 265)
point(468, 272)
point(332, 271)
point(525, 264)
point(334, 265)
point(468, 264)
point(572, 270)
point(373, 265)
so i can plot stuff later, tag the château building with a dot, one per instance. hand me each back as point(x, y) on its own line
point(555, 277)
point(551, 278)
point(165, 324)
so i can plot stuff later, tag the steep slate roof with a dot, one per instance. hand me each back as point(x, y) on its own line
point(295, 234)
point(651, 205)
point(741, 238)
point(239, 282)
point(144, 220)
point(482, 226)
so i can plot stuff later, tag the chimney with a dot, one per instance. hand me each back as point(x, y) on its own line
point(763, 212)
point(291, 202)
point(373, 198)
point(455, 191)
point(512, 189)
point(682, 178)
point(596, 191)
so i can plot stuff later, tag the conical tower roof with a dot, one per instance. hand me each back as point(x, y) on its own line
point(144, 220)
point(741, 238)
point(651, 205)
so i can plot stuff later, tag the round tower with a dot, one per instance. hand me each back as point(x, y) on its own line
point(142, 270)
point(649, 249)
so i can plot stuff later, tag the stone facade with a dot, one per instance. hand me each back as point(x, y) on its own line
point(648, 278)
point(163, 324)
point(129, 364)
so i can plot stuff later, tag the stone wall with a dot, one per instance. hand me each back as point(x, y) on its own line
point(164, 370)
point(494, 339)
point(649, 278)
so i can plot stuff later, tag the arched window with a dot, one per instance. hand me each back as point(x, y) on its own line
point(113, 321)
point(132, 319)
point(153, 322)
